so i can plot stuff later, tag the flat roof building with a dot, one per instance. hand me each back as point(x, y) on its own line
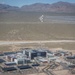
point(35, 53)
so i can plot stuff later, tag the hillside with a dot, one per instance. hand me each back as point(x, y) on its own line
point(55, 7)
point(41, 7)
point(6, 8)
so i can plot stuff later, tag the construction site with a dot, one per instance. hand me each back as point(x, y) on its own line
point(37, 61)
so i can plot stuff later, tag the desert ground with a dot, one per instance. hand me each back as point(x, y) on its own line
point(27, 26)
point(24, 26)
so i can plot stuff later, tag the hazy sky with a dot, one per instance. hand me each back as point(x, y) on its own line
point(27, 2)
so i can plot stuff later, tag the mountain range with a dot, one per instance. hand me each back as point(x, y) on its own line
point(41, 7)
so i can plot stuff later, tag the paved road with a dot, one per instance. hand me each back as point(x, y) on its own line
point(31, 42)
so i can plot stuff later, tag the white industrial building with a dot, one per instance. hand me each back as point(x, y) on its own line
point(27, 55)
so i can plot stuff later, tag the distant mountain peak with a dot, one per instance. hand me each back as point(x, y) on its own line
point(61, 2)
point(6, 8)
point(42, 7)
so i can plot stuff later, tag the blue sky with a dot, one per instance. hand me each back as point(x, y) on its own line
point(27, 2)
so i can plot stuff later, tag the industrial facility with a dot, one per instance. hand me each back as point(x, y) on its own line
point(31, 58)
point(30, 55)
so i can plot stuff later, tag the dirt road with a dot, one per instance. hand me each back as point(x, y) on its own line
point(30, 42)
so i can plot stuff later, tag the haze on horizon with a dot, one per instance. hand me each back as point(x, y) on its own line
point(28, 2)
